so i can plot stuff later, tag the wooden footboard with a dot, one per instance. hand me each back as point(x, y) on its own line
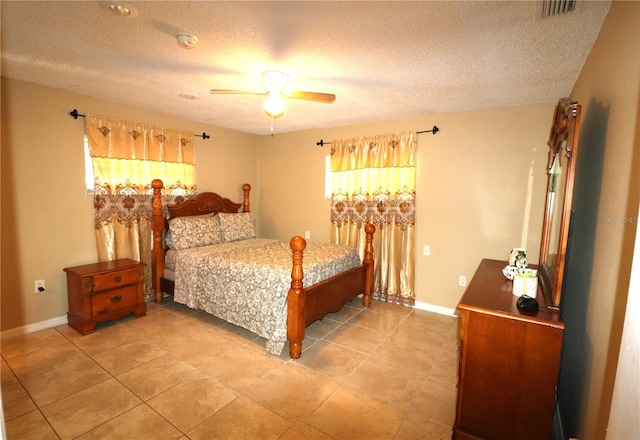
point(306, 305)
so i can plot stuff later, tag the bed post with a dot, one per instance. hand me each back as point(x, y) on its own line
point(369, 229)
point(295, 300)
point(246, 188)
point(157, 251)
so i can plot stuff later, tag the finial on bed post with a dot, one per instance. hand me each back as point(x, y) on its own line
point(157, 252)
point(369, 229)
point(295, 300)
point(245, 204)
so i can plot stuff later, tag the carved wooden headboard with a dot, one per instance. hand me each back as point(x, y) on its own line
point(209, 203)
point(204, 203)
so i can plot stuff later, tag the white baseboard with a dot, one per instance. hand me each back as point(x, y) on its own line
point(49, 323)
point(30, 328)
point(435, 309)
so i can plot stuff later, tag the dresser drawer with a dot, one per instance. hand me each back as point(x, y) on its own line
point(116, 279)
point(106, 302)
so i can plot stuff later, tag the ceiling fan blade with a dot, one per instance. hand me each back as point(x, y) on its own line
point(236, 92)
point(313, 96)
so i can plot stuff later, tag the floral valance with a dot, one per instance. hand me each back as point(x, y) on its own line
point(380, 208)
point(127, 205)
point(118, 139)
point(379, 151)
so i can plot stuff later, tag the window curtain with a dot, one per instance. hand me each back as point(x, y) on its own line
point(373, 181)
point(126, 157)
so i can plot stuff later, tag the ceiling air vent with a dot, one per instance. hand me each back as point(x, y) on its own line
point(551, 8)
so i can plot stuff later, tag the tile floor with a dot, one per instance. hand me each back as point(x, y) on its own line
point(388, 372)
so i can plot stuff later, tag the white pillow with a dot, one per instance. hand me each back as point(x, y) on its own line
point(234, 227)
point(194, 231)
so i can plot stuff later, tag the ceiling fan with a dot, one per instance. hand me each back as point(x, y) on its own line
point(274, 83)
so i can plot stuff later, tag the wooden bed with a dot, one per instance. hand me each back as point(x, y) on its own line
point(305, 304)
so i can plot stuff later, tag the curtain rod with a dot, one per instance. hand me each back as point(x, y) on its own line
point(74, 114)
point(434, 130)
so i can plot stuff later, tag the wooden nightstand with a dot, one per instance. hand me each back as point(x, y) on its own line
point(104, 291)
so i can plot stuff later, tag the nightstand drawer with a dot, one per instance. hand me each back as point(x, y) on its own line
point(113, 300)
point(116, 279)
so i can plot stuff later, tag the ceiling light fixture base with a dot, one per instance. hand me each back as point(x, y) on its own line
point(186, 41)
point(274, 80)
point(120, 9)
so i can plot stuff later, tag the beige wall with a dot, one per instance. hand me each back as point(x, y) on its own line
point(472, 189)
point(606, 194)
point(47, 220)
point(473, 179)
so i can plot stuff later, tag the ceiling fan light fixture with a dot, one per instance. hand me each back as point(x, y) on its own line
point(274, 105)
point(275, 83)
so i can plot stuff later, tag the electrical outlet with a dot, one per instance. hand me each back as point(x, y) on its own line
point(462, 281)
point(307, 235)
point(426, 250)
point(39, 286)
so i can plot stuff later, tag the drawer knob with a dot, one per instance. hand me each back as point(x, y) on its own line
point(118, 279)
point(115, 299)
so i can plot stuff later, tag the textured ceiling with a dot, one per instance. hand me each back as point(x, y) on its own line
point(382, 60)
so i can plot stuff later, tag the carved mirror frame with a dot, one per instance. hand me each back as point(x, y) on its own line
point(563, 144)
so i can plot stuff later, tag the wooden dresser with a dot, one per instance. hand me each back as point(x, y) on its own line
point(104, 291)
point(509, 361)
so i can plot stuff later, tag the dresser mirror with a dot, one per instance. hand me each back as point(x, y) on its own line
point(563, 143)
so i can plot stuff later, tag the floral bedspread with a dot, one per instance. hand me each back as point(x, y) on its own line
point(246, 282)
